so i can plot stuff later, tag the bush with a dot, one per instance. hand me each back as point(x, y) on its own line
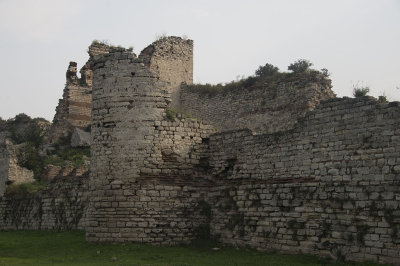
point(29, 158)
point(360, 91)
point(300, 66)
point(22, 118)
point(383, 99)
point(267, 70)
point(250, 81)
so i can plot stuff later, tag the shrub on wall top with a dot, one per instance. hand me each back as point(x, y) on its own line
point(360, 91)
point(267, 70)
point(300, 66)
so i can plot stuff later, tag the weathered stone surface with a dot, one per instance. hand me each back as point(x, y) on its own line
point(80, 138)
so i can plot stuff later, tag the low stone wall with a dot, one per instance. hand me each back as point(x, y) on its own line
point(61, 205)
point(330, 186)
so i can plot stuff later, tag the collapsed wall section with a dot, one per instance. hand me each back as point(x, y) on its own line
point(143, 185)
point(330, 186)
point(273, 106)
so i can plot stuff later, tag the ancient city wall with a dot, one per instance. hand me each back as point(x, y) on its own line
point(274, 106)
point(61, 205)
point(328, 187)
point(284, 166)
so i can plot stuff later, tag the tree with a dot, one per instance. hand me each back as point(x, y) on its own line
point(267, 70)
point(300, 66)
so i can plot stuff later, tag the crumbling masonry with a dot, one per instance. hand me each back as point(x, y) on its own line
point(287, 167)
point(74, 108)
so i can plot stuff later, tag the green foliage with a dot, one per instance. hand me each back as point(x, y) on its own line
point(383, 99)
point(360, 91)
point(31, 133)
point(300, 66)
point(170, 114)
point(267, 70)
point(23, 189)
point(67, 155)
point(74, 155)
point(22, 118)
point(29, 158)
point(209, 89)
point(267, 76)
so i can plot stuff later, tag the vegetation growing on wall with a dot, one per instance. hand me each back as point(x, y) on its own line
point(360, 91)
point(267, 76)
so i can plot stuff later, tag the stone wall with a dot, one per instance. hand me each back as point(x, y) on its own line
point(74, 109)
point(172, 59)
point(330, 186)
point(61, 205)
point(143, 184)
point(273, 106)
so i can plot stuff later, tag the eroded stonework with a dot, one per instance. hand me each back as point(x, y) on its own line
point(74, 109)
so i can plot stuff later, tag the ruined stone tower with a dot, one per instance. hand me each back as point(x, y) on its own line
point(172, 59)
point(142, 168)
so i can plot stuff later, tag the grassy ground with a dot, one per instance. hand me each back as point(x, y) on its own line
point(70, 248)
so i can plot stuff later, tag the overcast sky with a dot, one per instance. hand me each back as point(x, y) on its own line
point(358, 41)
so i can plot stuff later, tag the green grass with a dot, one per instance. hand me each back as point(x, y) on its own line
point(70, 248)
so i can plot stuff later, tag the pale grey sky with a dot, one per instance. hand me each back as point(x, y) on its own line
point(358, 41)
